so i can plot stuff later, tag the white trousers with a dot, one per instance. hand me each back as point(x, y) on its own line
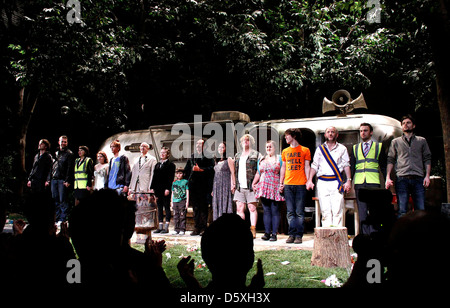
point(331, 203)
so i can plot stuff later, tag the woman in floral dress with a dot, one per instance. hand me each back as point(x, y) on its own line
point(266, 185)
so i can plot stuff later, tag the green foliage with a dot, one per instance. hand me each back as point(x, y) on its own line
point(405, 25)
point(74, 63)
point(247, 54)
point(257, 53)
point(127, 59)
point(6, 178)
point(206, 53)
point(6, 171)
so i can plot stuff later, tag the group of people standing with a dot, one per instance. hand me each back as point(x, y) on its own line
point(246, 178)
point(272, 179)
point(64, 172)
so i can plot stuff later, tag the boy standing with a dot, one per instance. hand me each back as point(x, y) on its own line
point(180, 201)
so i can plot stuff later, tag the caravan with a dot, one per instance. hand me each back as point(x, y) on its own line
point(229, 126)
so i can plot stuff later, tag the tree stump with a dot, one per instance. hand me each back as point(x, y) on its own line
point(331, 248)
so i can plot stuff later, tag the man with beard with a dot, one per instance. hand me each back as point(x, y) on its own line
point(62, 178)
point(412, 159)
point(367, 159)
point(330, 159)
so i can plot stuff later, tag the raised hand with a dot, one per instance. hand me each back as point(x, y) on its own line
point(186, 269)
point(258, 280)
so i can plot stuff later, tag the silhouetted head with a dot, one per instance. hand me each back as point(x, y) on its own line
point(101, 224)
point(418, 250)
point(39, 209)
point(379, 203)
point(227, 249)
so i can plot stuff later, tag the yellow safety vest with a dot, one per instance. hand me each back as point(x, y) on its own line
point(367, 167)
point(81, 176)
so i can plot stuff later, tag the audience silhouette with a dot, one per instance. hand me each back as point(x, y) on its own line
point(37, 255)
point(105, 255)
point(412, 250)
point(229, 258)
point(417, 251)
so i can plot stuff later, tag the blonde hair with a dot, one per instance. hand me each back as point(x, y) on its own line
point(249, 137)
point(274, 144)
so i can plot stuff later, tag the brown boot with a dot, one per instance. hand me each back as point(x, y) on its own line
point(253, 229)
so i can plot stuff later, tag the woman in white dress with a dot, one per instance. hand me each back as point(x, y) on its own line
point(100, 171)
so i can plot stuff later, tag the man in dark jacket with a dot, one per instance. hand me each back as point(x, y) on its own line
point(40, 173)
point(199, 171)
point(119, 175)
point(62, 178)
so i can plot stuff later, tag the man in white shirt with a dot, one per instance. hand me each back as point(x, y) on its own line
point(330, 159)
point(142, 171)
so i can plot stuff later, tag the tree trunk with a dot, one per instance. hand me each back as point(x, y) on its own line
point(26, 104)
point(331, 248)
point(439, 27)
point(444, 102)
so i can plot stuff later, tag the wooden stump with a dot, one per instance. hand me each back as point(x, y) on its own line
point(141, 234)
point(331, 248)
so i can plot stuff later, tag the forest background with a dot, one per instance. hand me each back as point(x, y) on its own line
point(91, 68)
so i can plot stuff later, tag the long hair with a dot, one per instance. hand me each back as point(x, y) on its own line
point(46, 142)
point(102, 153)
point(221, 156)
point(250, 138)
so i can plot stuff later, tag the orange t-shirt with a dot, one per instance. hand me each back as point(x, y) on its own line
point(294, 158)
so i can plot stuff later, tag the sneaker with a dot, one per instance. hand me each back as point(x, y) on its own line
point(175, 232)
point(181, 233)
point(298, 240)
point(265, 237)
point(290, 239)
point(273, 238)
point(157, 231)
point(195, 232)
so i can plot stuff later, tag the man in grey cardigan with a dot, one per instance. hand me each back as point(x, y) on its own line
point(411, 157)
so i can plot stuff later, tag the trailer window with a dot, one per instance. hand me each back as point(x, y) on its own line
point(347, 138)
point(264, 134)
point(308, 140)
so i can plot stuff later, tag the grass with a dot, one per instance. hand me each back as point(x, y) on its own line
point(297, 274)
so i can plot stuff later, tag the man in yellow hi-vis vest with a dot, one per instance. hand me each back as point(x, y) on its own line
point(367, 160)
point(83, 174)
